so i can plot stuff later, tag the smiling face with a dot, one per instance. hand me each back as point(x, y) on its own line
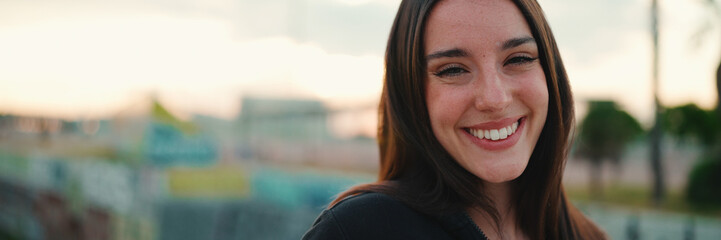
point(485, 87)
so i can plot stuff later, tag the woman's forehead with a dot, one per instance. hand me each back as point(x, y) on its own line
point(477, 8)
point(476, 20)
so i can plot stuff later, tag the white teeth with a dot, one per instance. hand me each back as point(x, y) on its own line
point(476, 132)
point(495, 134)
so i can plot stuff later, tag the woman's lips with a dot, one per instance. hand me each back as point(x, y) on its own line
point(496, 135)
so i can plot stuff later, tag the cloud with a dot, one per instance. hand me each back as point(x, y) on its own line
point(68, 67)
point(592, 28)
point(336, 26)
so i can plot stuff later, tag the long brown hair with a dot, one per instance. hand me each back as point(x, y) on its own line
point(417, 170)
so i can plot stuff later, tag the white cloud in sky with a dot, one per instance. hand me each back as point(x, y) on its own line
point(66, 68)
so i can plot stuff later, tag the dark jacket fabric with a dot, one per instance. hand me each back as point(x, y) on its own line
point(379, 216)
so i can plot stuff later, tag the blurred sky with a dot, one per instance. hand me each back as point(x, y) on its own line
point(95, 58)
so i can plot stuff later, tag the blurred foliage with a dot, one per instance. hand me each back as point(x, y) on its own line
point(691, 122)
point(704, 187)
point(7, 235)
point(636, 197)
point(604, 134)
point(605, 131)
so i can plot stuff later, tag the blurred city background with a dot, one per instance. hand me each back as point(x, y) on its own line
point(242, 119)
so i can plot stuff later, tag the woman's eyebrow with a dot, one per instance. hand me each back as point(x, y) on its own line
point(447, 53)
point(456, 52)
point(515, 42)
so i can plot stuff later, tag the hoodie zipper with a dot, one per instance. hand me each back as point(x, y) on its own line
point(475, 226)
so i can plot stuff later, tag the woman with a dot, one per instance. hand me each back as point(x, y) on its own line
point(474, 126)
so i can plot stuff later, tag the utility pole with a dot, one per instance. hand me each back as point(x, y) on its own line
point(656, 165)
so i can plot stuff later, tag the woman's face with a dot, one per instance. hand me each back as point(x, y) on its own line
point(485, 88)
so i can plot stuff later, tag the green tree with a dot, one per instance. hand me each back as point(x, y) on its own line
point(703, 185)
point(604, 133)
point(689, 122)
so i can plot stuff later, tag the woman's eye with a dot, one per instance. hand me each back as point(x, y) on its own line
point(520, 60)
point(451, 71)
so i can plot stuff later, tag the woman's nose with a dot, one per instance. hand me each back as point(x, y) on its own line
point(491, 93)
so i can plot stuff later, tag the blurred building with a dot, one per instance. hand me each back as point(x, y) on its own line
point(296, 131)
point(283, 119)
point(151, 175)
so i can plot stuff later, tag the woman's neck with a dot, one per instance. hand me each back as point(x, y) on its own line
point(501, 195)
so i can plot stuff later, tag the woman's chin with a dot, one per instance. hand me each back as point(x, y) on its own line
point(500, 175)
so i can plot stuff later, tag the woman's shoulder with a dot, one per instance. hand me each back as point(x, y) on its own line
point(372, 205)
point(374, 216)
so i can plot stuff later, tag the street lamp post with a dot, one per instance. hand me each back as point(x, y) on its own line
point(655, 141)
